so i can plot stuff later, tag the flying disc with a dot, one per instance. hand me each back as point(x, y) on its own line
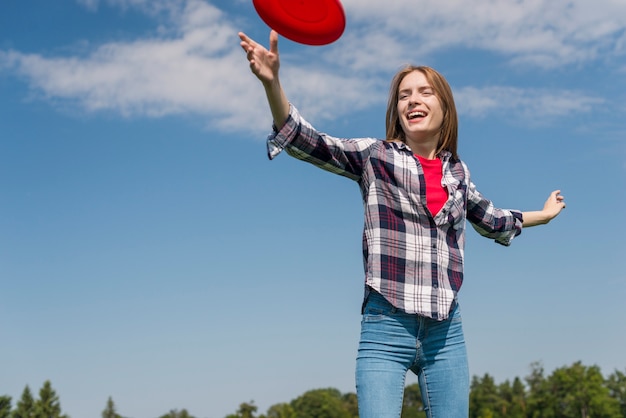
point(310, 22)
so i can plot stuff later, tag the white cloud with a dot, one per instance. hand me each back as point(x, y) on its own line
point(542, 32)
point(199, 71)
point(145, 5)
point(531, 105)
point(197, 68)
point(91, 5)
point(194, 64)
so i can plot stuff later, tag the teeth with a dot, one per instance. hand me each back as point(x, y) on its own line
point(416, 114)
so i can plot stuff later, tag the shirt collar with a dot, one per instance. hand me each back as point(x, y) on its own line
point(444, 155)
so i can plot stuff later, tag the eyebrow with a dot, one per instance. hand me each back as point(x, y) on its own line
point(421, 88)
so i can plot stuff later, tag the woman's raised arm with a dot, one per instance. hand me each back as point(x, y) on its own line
point(265, 65)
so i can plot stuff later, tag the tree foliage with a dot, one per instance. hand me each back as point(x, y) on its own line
point(321, 403)
point(246, 410)
point(110, 410)
point(412, 406)
point(174, 413)
point(281, 410)
point(484, 397)
point(48, 404)
point(575, 391)
point(580, 391)
point(350, 404)
point(25, 407)
point(5, 406)
point(616, 383)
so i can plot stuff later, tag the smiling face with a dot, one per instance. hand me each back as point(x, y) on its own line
point(419, 111)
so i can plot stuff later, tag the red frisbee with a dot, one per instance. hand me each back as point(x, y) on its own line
point(311, 22)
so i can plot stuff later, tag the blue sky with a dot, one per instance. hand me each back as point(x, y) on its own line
point(150, 252)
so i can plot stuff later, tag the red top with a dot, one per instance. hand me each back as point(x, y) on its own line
point(436, 194)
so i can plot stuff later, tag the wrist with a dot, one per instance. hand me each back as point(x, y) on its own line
point(534, 218)
point(271, 84)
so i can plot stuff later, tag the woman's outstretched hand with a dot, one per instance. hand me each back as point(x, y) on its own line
point(263, 63)
point(553, 206)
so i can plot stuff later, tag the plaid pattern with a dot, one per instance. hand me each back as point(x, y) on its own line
point(413, 259)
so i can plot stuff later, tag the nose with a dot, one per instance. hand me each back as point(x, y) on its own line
point(414, 98)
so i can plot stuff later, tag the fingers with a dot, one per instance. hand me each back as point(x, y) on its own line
point(246, 43)
point(556, 196)
point(245, 38)
point(263, 63)
point(274, 42)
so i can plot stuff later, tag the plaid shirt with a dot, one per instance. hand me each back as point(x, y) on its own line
point(412, 258)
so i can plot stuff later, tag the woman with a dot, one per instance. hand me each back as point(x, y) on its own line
point(417, 197)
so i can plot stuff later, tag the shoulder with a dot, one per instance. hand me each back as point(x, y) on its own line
point(393, 145)
point(373, 144)
point(457, 167)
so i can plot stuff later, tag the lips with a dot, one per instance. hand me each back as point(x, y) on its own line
point(416, 114)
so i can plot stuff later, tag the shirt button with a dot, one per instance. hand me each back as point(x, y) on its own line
point(435, 286)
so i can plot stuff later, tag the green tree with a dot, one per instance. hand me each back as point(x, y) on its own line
point(514, 399)
point(582, 393)
point(320, 403)
point(576, 391)
point(246, 410)
point(5, 406)
point(485, 402)
point(351, 404)
point(616, 384)
point(281, 410)
point(48, 405)
point(109, 411)
point(412, 406)
point(174, 413)
point(540, 399)
point(25, 407)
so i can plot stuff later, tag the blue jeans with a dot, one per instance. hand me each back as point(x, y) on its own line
point(393, 342)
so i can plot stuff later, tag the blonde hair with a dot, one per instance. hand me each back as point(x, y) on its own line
point(448, 138)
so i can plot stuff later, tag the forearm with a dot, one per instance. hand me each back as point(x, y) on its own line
point(277, 99)
point(534, 218)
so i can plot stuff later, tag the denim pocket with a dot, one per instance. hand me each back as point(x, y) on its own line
point(375, 314)
point(377, 308)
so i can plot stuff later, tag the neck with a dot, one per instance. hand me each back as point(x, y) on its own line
point(425, 150)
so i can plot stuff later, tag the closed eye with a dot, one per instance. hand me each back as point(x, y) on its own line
point(423, 91)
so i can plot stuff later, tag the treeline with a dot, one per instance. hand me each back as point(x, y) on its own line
point(48, 405)
point(575, 391)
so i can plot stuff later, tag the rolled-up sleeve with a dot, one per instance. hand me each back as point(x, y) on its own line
point(278, 140)
point(501, 225)
point(301, 140)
